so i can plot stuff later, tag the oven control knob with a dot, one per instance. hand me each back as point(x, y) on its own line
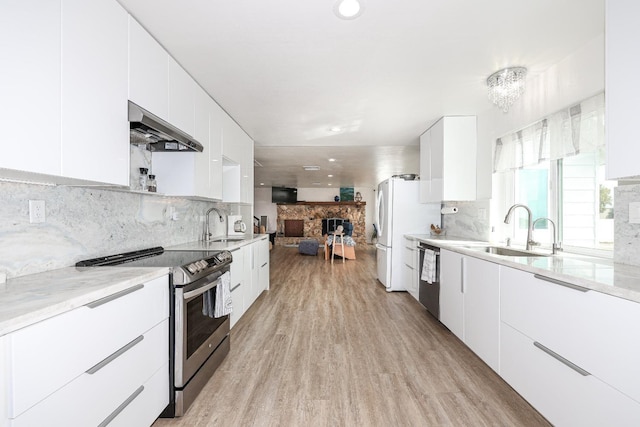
point(192, 268)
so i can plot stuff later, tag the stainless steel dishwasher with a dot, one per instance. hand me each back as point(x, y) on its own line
point(429, 293)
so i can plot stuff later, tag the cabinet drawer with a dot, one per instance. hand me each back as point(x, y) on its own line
point(594, 330)
point(46, 356)
point(145, 407)
point(92, 397)
point(562, 395)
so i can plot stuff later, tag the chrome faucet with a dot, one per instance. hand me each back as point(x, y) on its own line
point(207, 232)
point(507, 218)
point(557, 246)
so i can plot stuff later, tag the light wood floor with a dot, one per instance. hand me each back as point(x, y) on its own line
point(328, 346)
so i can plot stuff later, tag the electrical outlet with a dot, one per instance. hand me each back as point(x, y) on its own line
point(36, 211)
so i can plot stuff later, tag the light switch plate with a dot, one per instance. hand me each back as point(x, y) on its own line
point(634, 213)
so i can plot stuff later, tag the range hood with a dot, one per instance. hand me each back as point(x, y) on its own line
point(158, 135)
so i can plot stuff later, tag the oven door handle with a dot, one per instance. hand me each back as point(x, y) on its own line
point(200, 291)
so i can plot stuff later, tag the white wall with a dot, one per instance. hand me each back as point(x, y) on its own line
point(577, 77)
point(263, 205)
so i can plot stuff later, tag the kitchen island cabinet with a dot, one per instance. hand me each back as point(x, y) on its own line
point(105, 360)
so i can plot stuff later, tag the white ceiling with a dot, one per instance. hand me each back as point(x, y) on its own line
point(290, 70)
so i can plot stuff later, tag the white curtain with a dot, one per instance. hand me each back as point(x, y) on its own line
point(577, 129)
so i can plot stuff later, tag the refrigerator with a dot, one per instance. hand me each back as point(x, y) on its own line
point(399, 212)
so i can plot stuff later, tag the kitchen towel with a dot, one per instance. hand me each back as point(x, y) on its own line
point(428, 273)
point(224, 304)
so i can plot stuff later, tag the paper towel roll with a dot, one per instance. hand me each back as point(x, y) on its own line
point(449, 210)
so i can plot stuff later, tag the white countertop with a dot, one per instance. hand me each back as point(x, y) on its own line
point(30, 299)
point(598, 274)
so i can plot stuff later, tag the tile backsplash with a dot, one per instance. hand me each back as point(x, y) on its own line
point(472, 221)
point(86, 222)
point(626, 235)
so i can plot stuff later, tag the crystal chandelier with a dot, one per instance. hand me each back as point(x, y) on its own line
point(505, 86)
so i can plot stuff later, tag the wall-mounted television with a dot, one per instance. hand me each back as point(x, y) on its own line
point(284, 195)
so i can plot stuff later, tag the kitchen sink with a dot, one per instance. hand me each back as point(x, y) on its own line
point(501, 250)
point(227, 239)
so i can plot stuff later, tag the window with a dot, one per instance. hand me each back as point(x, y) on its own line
point(570, 188)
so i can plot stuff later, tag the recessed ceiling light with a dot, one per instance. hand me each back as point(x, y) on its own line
point(329, 176)
point(348, 9)
point(311, 168)
point(262, 183)
point(315, 183)
point(332, 160)
point(329, 184)
point(335, 129)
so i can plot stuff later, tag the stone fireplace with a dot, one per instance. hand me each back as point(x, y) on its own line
point(312, 214)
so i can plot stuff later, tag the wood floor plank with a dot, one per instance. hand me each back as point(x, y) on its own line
point(328, 346)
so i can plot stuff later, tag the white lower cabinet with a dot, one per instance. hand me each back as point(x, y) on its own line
point(469, 303)
point(451, 296)
point(410, 267)
point(263, 264)
point(83, 367)
point(562, 395)
point(572, 327)
point(249, 276)
point(238, 284)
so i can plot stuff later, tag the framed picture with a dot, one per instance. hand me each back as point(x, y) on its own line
point(346, 194)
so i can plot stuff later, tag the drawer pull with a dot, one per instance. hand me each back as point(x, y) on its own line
point(115, 296)
point(561, 359)
point(561, 283)
point(120, 408)
point(236, 287)
point(114, 356)
point(265, 264)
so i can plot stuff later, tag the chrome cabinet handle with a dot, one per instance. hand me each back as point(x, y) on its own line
point(236, 287)
point(463, 273)
point(561, 359)
point(120, 408)
point(561, 283)
point(115, 296)
point(264, 264)
point(114, 356)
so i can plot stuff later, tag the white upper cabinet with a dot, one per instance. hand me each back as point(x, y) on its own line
point(237, 149)
point(68, 66)
point(148, 71)
point(95, 126)
point(215, 150)
point(182, 91)
point(30, 85)
point(448, 160)
point(622, 89)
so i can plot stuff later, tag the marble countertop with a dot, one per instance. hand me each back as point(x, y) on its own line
point(598, 274)
point(216, 246)
point(30, 299)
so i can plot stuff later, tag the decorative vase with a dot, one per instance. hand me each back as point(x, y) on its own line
point(337, 198)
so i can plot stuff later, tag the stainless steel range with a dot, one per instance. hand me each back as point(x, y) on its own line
point(198, 341)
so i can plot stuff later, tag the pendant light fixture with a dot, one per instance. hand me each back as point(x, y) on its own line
point(505, 86)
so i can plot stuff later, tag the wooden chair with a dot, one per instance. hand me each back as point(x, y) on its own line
point(346, 252)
